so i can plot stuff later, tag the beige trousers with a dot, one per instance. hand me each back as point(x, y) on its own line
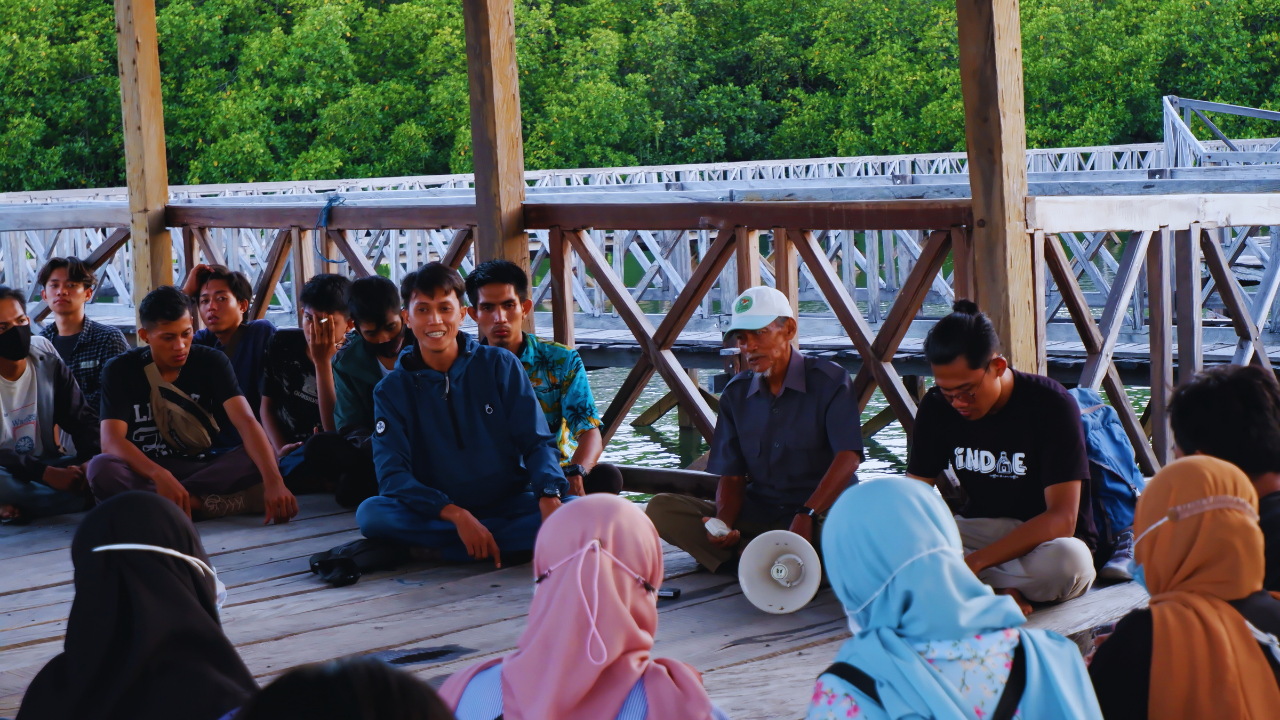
point(1057, 570)
point(679, 522)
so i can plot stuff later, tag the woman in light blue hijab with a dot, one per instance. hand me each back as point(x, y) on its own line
point(929, 638)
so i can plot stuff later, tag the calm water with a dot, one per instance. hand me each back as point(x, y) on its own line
point(663, 446)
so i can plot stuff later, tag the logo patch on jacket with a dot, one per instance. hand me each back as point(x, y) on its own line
point(380, 427)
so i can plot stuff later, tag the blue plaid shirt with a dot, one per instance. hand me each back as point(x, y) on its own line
point(98, 343)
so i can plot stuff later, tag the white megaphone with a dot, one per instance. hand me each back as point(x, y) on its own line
point(779, 571)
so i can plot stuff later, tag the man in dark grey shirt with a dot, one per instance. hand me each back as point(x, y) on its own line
point(787, 443)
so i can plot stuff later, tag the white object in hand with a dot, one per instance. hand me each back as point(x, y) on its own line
point(717, 528)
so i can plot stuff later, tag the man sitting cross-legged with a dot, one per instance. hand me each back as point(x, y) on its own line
point(168, 449)
point(1016, 443)
point(499, 295)
point(787, 443)
point(37, 392)
point(1233, 413)
point(223, 298)
point(298, 397)
point(466, 465)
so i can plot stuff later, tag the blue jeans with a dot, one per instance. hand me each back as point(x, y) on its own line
point(37, 500)
point(514, 523)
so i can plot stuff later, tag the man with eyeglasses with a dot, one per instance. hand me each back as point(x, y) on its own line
point(1016, 443)
point(66, 286)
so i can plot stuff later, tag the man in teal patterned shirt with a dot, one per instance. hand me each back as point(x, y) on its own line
point(498, 291)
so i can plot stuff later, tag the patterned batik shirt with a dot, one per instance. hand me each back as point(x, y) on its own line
point(560, 380)
point(98, 343)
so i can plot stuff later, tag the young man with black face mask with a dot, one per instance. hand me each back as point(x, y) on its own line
point(37, 392)
point(369, 353)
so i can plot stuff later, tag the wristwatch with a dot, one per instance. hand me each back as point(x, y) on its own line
point(574, 469)
point(804, 510)
point(552, 493)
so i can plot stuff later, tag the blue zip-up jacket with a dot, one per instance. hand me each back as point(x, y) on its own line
point(472, 437)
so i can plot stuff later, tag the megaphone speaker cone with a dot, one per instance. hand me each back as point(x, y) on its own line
point(780, 572)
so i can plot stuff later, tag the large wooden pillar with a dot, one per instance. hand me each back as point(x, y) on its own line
point(995, 130)
point(497, 145)
point(145, 167)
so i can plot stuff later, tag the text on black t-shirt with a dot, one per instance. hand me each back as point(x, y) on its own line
point(126, 393)
point(1006, 459)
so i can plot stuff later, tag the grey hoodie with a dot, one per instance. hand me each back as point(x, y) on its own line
point(58, 402)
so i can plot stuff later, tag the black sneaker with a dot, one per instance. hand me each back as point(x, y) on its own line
point(1120, 566)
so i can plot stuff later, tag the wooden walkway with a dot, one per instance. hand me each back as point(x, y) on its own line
point(436, 619)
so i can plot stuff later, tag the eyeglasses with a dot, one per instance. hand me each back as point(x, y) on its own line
point(965, 397)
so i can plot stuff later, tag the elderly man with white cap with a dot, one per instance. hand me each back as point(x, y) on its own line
point(787, 443)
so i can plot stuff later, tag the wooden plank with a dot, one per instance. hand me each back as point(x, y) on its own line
point(146, 171)
point(497, 145)
point(1041, 319)
point(561, 288)
point(304, 264)
point(871, 214)
point(1151, 212)
point(212, 253)
point(459, 245)
point(1122, 288)
point(1186, 300)
point(1160, 313)
point(962, 262)
point(859, 332)
point(356, 260)
point(626, 396)
point(1076, 618)
point(747, 258)
point(909, 301)
point(654, 412)
point(663, 359)
point(990, 40)
point(25, 216)
point(786, 273)
point(1235, 303)
point(775, 687)
point(397, 216)
point(271, 273)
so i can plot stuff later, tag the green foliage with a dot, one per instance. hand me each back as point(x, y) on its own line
point(260, 90)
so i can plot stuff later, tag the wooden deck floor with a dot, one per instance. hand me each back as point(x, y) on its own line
point(440, 618)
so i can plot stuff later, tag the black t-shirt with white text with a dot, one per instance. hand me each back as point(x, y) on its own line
point(290, 382)
point(1006, 459)
point(126, 393)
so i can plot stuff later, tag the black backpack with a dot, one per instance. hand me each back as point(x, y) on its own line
point(344, 564)
point(1005, 709)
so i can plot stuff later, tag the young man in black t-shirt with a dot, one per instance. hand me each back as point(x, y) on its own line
point(298, 397)
point(1016, 443)
point(137, 457)
point(1233, 413)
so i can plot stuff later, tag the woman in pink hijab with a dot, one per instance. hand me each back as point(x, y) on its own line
point(585, 654)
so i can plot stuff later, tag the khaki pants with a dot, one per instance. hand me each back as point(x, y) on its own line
point(1057, 570)
point(679, 522)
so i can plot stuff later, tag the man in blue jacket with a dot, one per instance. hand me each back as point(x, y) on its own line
point(466, 464)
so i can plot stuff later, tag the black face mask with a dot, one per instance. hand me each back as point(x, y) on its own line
point(15, 343)
point(390, 348)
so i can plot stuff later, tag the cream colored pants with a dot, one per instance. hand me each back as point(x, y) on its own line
point(1057, 570)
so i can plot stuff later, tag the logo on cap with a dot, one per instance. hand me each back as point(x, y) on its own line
point(743, 304)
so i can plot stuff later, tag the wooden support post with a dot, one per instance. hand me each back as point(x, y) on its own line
point(1187, 301)
point(561, 287)
point(304, 265)
point(270, 277)
point(459, 244)
point(359, 264)
point(747, 256)
point(786, 274)
point(871, 241)
point(1038, 302)
point(211, 253)
point(497, 146)
point(683, 420)
point(1160, 302)
point(990, 40)
point(146, 172)
point(962, 264)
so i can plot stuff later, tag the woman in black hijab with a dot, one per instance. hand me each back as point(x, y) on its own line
point(143, 640)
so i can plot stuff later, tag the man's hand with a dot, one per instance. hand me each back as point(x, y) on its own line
point(548, 505)
point(975, 562)
point(802, 525)
point(282, 452)
point(325, 334)
point(475, 536)
point(192, 285)
point(724, 543)
point(167, 486)
point(69, 479)
point(280, 504)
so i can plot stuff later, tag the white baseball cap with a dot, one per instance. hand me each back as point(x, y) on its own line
point(757, 307)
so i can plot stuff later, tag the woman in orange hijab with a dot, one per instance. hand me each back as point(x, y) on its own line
point(1206, 647)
